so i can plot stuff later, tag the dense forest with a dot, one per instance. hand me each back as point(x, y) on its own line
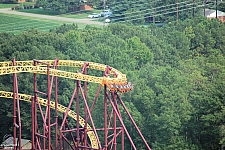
point(178, 71)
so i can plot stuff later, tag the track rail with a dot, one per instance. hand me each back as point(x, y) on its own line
point(113, 79)
point(61, 108)
point(118, 83)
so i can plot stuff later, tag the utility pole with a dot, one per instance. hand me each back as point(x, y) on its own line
point(104, 4)
point(154, 12)
point(165, 9)
point(193, 8)
point(204, 6)
point(177, 9)
point(216, 8)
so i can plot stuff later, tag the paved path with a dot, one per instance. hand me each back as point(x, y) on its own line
point(84, 21)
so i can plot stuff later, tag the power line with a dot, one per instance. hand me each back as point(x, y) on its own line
point(144, 12)
point(165, 13)
point(136, 2)
point(177, 10)
point(148, 13)
point(157, 7)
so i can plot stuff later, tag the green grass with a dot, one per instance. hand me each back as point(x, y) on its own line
point(6, 5)
point(77, 15)
point(17, 24)
point(40, 11)
point(81, 14)
point(28, 3)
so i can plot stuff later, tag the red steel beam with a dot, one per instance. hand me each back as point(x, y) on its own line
point(14, 114)
point(34, 116)
point(45, 118)
point(70, 131)
point(121, 121)
point(16, 107)
point(135, 125)
point(33, 123)
point(56, 107)
point(84, 71)
point(122, 139)
point(56, 99)
point(105, 119)
point(114, 114)
point(49, 99)
point(89, 114)
point(62, 127)
point(78, 113)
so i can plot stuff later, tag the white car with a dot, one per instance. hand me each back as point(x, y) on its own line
point(106, 13)
point(94, 15)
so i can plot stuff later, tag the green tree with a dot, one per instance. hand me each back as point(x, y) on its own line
point(139, 51)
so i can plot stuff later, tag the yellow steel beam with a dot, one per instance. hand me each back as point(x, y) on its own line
point(118, 83)
point(28, 66)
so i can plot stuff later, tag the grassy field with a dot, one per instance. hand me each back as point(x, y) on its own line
point(81, 14)
point(17, 24)
point(5, 5)
point(77, 15)
point(40, 11)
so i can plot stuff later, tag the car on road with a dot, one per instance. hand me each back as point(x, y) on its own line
point(106, 13)
point(109, 15)
point(94, 15)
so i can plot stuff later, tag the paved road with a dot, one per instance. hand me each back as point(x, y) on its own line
point(84, 21)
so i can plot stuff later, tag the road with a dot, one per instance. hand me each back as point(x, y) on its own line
point(72, 20)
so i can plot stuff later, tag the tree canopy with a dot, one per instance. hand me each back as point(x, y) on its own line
point(178, 72)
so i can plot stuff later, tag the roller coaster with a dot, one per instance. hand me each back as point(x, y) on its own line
point(50, 133)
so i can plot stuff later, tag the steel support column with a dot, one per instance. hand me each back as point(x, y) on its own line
point(78, 113)
point(84, 140)
point(16, 107)
point(34, 116)
point(48, 107)
point(62, 127)
point(56, 107)
point(114, 120)
point(33, 123)
point(14, 113)
point(135, 125)
point(105, 120)
point(46, 118)
point(90, 117)
point(122, 123)
point(122, 139)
